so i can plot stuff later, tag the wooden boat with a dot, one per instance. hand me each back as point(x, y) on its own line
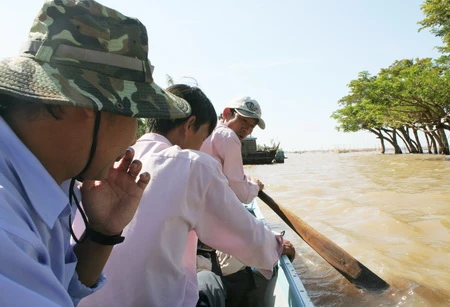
point(285, 289)
point(279, 156)
point(250, 154)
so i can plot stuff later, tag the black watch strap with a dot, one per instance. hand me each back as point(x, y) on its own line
point(102, 239)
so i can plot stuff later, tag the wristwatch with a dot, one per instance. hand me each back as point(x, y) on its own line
point(102, 239)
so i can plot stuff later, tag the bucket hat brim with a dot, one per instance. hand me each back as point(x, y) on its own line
point(62, 84)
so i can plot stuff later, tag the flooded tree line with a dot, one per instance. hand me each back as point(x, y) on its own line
point(408, 103)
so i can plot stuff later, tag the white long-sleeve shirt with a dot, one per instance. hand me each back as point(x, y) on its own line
point(188, 196)
point(224, 145)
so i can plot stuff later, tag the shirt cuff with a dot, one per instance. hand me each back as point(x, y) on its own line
point(78, 291)
point(269, 273)
point(280, 240)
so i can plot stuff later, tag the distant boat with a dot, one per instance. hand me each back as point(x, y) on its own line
point(251, 155)
point(279, 156)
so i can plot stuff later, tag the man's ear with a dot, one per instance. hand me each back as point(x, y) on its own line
point(189, 124)
point(227, 114)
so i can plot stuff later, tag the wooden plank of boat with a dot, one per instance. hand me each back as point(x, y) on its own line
point(258, 158)
point(286, 288)
point(251, 155)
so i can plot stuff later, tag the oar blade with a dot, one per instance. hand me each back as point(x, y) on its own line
point(343, 262)
point(366, 280)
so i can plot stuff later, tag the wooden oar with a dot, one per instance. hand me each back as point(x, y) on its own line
point(342, 261)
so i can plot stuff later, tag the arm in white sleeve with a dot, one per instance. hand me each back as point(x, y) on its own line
point(232, 167)
point(226, 225)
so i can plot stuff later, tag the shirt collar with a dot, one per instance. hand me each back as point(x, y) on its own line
point(44, 194)
point(228, 129)
point(222, 125)
point(155, 137)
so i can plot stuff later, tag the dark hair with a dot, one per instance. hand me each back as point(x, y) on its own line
point(201, 106)
point(32, 108)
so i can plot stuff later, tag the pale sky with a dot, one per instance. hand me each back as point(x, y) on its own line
point(294, 57)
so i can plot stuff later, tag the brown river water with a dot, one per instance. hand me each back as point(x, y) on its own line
point(390, 212)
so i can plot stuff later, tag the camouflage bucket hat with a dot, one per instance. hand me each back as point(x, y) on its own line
point(83, 54)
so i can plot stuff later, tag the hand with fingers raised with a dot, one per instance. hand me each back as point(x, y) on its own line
point(110, 204)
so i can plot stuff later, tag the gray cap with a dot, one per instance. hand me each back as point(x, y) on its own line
point(247, 107)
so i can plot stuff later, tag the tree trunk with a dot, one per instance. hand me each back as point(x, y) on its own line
point(419, 145)
point(437, 141)
point(379, 133)
point(432, 139)
point(443, 137)
point(410, 144)
point(383, 147)
point(397, 149)
point(429, 145)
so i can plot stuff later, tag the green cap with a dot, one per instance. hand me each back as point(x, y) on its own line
point(84, 54)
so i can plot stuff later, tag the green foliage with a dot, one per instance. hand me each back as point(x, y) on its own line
point(437, 19)
point(142, 126)
point(406, 93)
point(409, 94)
point(361, 109)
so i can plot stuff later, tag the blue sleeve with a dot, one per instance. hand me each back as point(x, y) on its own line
point(78, 291)
point(26, 277)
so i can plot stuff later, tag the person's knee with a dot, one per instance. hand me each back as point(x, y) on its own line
point(209, 279)
point(211, 289)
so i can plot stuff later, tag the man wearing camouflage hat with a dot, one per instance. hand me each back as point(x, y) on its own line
point(68, 109)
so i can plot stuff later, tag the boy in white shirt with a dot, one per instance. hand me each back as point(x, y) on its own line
point(187, 199)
